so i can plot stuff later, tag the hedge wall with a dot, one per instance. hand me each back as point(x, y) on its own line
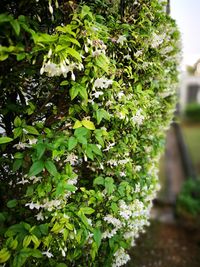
point(87, 93)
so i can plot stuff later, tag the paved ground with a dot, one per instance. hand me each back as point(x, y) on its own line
point(166, 242)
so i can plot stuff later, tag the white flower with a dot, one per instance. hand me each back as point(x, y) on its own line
point(138, 168)
point(120, 94)
point(127, 57)
point(109, 146)
point(121, 258)
point(21, 145)
point(97, 94)
point(102, 83)
point(48, 254)
point(98, 52)
point(39, 216)
point(33, 205)
point(121, 39)
point(114, 221)
point(112, 162)
point(123, 174)
point(50, 8)
point(72, 158)
point(23, 181)
point(138, 118)
point(32, 141)
point(138, 53)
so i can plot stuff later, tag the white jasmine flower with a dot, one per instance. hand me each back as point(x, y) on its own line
point(97, 94)
point(121, 39)
point(127, 57)
point(109, 146)
point(33, 206)
point(123, 174)
point(23, 181)
point(120, 94)
point(102, 83)
point(138, 168)
point(48, 254)
point(123, 161)
point(138, 53)
point(114, 221)
point(112, 162)
point(98, 52)
point(72, 158)
point(121, 258)
point(21, 145)
point(39, 216)
point(138, 118)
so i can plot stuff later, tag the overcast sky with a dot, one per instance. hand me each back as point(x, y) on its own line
point(187, 15)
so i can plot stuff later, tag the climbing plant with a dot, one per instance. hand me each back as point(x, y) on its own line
point(88, 90)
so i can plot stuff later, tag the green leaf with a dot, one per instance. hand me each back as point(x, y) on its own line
point(74, 91)
point(36, 168)
point(36, 241)
point(96, 150)
point(77, 124)
point(97, 236)
point(17, 122)
point(72, 142)
point(89, 152)
point(74, 53)
point(4, 255)
point(88, 124)
point(5, 18)
point(4, 140)
point(61, 265)
point(83, 92)
point(99, 181)
point(109, 185)
point(40, 148)
point(27, 241)
point(81, 132)
point(44, 228)
point(16, 26)
point(17, 164)
point(87, 210)
point(70, 187)
point(102, 62)
point(17, 132)
point(31, 130)
point(12, 203)
point(51, 168)
point(19, 155)
point(21, 56)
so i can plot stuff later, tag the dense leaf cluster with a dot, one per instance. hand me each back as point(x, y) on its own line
point(87, 93)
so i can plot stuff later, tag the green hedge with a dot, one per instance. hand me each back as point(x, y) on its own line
point(192, 112)
point(88, 92)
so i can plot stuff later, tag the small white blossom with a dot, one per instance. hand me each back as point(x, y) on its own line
point(39, 216)
point(97, 94)
point(121, 39)
point(48, 254)
point(102, 83)
point(120, 258)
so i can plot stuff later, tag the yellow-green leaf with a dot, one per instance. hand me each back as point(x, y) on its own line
point(88, 124)
point(77, 124)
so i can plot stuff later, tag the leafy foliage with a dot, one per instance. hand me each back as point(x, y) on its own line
point(87, 94)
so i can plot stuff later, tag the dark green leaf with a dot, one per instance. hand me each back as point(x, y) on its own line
point(51, 168)
point(72, 142)
point(31, 130)
point(36, 168)
point(4, 140)
point(97, 236)
point(12, 203)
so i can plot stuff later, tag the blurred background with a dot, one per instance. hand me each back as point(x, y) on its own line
point(173, 238)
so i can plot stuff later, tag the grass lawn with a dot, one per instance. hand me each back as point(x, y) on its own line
point(191, 134)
